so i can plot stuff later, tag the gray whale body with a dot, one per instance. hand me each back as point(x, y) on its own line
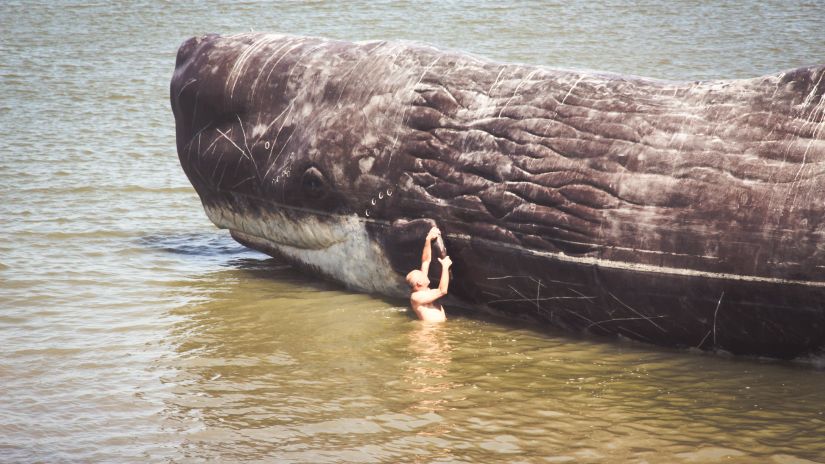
point(685, 214)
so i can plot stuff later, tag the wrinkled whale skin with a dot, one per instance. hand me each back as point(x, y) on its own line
point(684, 214)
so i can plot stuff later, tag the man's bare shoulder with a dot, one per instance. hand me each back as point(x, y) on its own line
point(415, 296)
point(426, 296)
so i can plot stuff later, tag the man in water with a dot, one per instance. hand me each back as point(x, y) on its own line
point(423, 298)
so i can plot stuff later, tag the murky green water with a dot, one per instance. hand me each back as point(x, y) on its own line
point(132, 330)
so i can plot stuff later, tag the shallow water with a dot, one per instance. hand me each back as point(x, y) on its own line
point(135, 331)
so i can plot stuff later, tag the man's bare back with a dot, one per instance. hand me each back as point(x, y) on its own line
point(432, 312)
point(423, 298)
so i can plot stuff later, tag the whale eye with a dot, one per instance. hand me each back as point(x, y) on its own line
point(313, 183)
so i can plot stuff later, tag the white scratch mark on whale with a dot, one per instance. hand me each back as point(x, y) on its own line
point(283, 147)
point(272, 68)
point(518, 87)
point(197, 134)
point(569, 91)
point(249, 52)
point(243, 132)
point(245, 155)
point(266, 63)
point(810, 119)
point(715, 313)
point(191, 81)
point(647, 318)
point(348, 74)
point(411, 91)
point(495, 83)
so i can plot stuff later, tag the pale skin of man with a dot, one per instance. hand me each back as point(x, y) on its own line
point(423, 298)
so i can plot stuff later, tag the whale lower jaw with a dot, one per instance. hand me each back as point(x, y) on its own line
point(336, 247)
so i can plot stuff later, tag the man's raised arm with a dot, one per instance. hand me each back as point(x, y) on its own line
point(444, 283)
point(427, 254)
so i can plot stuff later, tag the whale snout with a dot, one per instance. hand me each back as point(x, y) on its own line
point(189, 46)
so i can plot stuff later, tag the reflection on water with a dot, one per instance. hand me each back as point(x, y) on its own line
point(427, 370)
point(207, 244)
point(428, 378)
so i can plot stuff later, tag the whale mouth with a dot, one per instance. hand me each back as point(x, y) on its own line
point(283, 227)
point(335, 246)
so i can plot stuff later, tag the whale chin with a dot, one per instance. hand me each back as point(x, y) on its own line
point(336, 247)
point(281, 226)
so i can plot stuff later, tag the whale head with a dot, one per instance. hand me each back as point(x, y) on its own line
point(293, 159)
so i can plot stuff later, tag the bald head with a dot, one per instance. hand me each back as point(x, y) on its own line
point(417, 279)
